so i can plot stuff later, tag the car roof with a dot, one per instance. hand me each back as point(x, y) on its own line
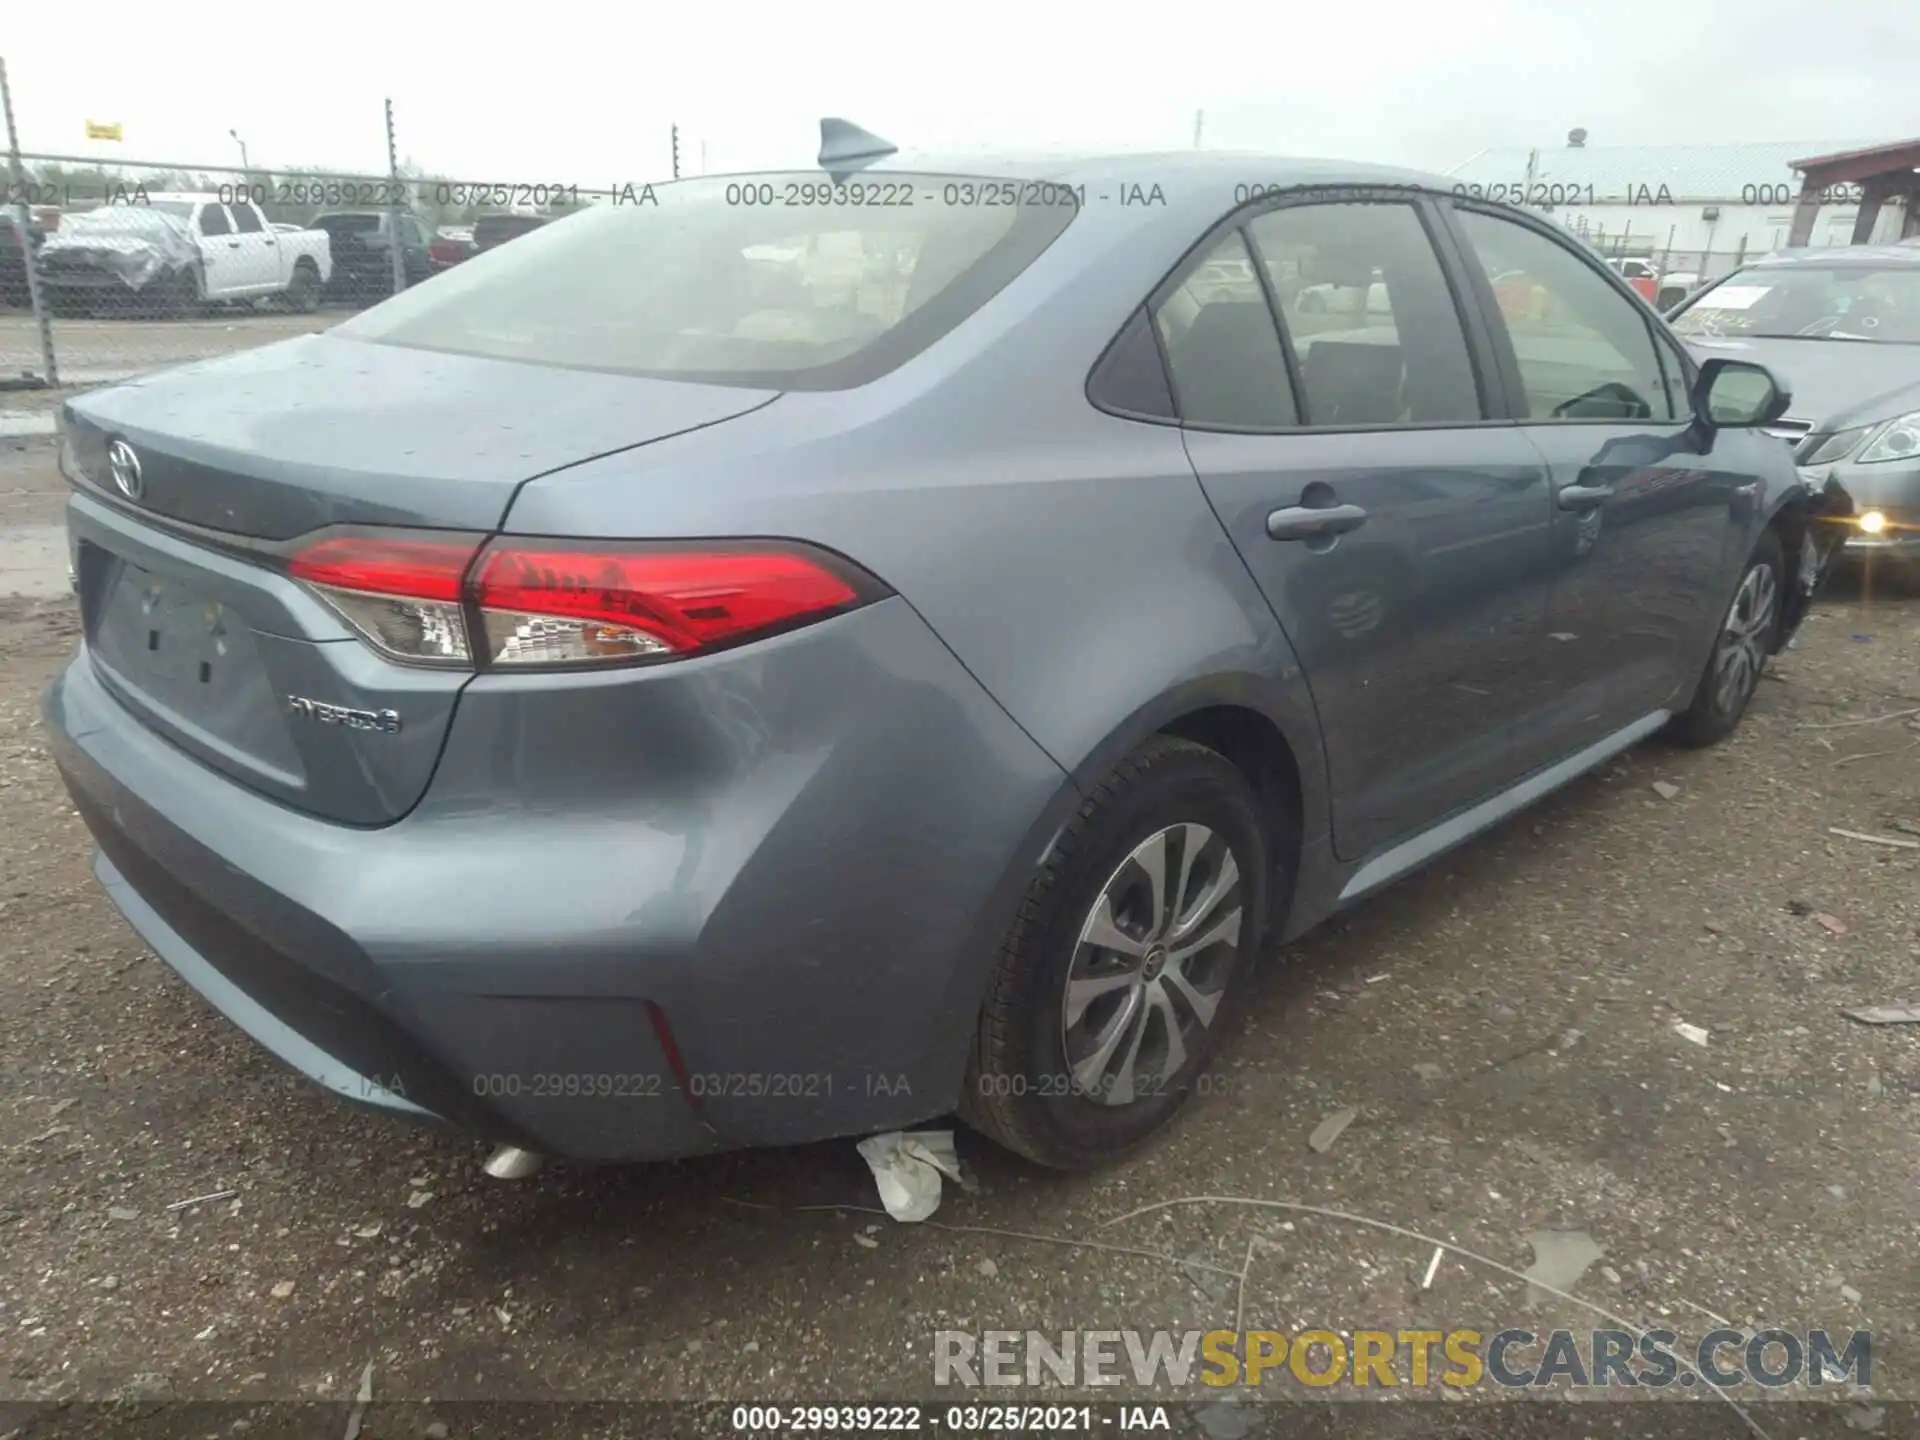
point(1162, 167)
point(1196, 187)
point(1902, 253)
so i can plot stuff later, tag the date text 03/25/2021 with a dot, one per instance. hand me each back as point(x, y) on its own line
point(958, 1420)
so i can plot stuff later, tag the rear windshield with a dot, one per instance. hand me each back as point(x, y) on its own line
point(726, 282)
point(347, 224)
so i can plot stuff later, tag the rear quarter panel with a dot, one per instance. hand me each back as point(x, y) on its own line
point(1068, 558)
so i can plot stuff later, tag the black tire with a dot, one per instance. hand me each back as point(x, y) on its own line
point(1742, 641)
point(303, 290)
point(1020, 1086)
point(179, 296)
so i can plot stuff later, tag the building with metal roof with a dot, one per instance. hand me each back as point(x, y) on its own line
point(1701, 208)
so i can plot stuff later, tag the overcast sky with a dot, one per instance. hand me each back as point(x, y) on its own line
point(578, 95)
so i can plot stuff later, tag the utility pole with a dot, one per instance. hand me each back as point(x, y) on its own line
point(395, 241)
point(676, 152)
point(25, 220)
point(1199, 122)
point(243, 149)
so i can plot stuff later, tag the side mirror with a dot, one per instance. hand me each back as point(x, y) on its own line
point(1738, 395)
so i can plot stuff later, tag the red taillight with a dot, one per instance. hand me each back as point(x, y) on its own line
point(379, 565)
point(543, 602)
point(687, 599)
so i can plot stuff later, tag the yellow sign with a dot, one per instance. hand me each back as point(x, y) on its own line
point(97, 130)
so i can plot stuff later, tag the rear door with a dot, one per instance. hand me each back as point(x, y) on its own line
point(420, 253)
point(220, 251)
point(1395, 521)
point(1644, 526)
point(259, 248)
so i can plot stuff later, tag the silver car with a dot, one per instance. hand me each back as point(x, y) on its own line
point(646, 693)
point(1841, 326)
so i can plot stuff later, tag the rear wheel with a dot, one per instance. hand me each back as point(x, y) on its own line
point(303, 290)
point(181, 298)
point(1748, 632)
point(1121, 971)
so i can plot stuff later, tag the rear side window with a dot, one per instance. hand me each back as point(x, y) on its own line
point(703, 287)
point(1583, 350)
point(213, 220)
point(1223, 352)
point(1374, 330)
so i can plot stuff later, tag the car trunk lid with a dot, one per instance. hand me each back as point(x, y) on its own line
point(189, 614)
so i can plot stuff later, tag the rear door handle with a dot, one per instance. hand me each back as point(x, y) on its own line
point(1310, 522)
point(1583, 497)
point(233, 244)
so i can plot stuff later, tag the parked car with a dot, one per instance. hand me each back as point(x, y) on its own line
point(174, 252)
point(1319, 299)
point(1842, 326)
point(361, 242)
point(450, 245)
point(1674, 287)
point(1638, 273)
point(492, 230)
point(704, 713)
point(16, 245)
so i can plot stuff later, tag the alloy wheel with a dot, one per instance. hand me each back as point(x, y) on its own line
point(1152, 963)
point(1744, 637)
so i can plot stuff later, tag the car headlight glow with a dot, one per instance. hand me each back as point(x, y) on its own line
point(1898, 439)
point(1873, 522)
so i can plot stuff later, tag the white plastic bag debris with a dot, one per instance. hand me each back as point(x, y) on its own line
point(1885, 1015)
point(1690, 1032)
point(1560, 1257)
point(907, 1166)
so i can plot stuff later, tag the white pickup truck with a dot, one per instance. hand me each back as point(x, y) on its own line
point(243, 257)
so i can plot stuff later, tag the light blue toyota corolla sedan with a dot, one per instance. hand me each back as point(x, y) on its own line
point(793, 655)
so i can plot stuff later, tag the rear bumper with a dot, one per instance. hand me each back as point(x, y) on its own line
point(791, 860)
point(90, 282)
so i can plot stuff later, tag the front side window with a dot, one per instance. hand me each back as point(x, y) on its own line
point(1811, 302)
point(1223, 352)
point(246, 219)
point(720, 282)
point(1375, 334)
point(1584, 351)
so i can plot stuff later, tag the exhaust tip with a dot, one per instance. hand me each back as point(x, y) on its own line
point(510, 1162)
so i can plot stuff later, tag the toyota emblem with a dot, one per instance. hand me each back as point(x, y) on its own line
point(125, 466)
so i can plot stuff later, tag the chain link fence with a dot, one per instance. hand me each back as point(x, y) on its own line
point(109, 270)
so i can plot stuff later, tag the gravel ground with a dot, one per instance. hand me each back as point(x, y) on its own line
point(1504, 1026)
point(93, 352)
